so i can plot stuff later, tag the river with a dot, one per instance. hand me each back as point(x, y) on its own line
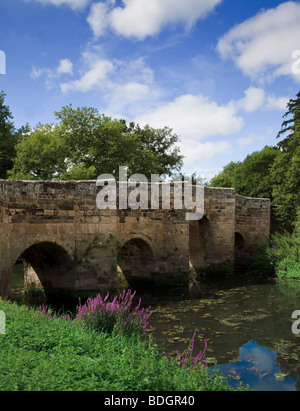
point(247, 324)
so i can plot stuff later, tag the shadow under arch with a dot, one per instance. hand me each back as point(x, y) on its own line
point(198, 242)
point(137, 262)
point(240, 253)
point(48, 266)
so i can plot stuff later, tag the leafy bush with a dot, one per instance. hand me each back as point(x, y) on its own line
point(288, 268)
point(284, 253)
point(260, 263)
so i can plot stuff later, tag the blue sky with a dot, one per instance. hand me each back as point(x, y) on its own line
point(218, 72)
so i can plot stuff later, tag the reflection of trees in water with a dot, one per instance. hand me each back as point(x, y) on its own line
point(288, 356)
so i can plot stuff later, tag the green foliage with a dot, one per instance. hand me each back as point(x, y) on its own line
point(288, 268)
point(260, 264)
point(226, 177)
point(284, 253)
point(252, 177)
point(273, 172)
point(86, 144)
point(52, 354)
point(286, 170)
point(8, 137)
point(41, 155)
point(100, 145)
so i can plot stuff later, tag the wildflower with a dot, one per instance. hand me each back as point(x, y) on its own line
point(185, 359)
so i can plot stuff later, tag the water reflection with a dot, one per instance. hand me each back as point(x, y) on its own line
point(247, 324)
point(259, 369)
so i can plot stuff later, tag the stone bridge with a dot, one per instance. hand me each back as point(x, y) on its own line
point(67, 243)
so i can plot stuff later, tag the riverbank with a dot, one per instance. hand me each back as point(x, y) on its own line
point(52, 354)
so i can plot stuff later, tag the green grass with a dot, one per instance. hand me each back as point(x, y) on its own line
point(39, 354)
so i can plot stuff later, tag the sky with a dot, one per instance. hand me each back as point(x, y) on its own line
point(218, 72)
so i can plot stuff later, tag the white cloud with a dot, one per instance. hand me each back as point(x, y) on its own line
point(126, 87)
point(98, 18)
point(277, 103)
point(92, 78)
point(74, 4)
point(197, 153)
point(142, 18)
point(244, 142)
point(195, 116)
point(257, 98)
point(262, 46)
point(65, 67)
point(253, 100)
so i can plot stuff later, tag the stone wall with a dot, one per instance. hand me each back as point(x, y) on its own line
point(49, 223)
point(253, 221)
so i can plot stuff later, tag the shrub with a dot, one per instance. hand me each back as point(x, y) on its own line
point(101, 315)
point(288, 268)
point(284, 253)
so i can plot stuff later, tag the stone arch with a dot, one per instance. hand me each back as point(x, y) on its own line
point(240, 252)
point(198, 242)
point(239, 244)
point(142, 237)
point(136, 260)
point(17, 251)
point(48, 265)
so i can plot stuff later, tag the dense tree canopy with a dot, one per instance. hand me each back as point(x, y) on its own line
point(273, 172)
point(8, 138)
point(286, 170)
point(85, 144)
point(252, 177)
point(40, 155)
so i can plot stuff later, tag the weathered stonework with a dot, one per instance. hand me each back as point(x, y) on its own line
point(70, 244)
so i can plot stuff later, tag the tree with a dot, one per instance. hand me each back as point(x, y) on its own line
point(86, 144)
point(286, 169)
point(226, 177)
point(251, 177)
point(8, 138)
point(99, 144)
point(40, 155)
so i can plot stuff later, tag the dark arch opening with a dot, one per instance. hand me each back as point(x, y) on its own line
point(47, 267)
point(137, 262)
point(198, 242)
point(239, 243)
point(240, 253)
